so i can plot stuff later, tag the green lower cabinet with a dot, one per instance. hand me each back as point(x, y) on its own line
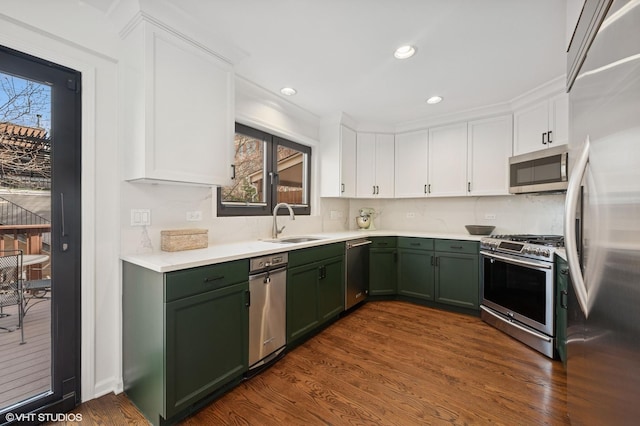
point(331, 289)
point(302, 300)
point(185, 336)
point(456, 280)
point(315, 288)
point(562, 288)
point(383, 275)
point(416, 273)
point(207, 344)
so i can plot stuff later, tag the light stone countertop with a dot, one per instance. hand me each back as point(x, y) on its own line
point(174, 261)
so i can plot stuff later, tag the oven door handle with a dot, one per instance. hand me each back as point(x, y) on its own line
point(516, 261)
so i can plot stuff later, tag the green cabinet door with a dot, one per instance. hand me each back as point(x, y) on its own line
point(206, 344)
point(330, 289)
point(562, 288)
point(457, 279)
point(416, 273)
point(383, 271)
point(302, 300)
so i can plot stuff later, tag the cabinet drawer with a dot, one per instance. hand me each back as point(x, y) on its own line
point(415, 243)
point(192, 281)
point(458, 246)
point(383, 242)
point(315, 254)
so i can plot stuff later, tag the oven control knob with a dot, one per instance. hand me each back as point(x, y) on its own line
point(527, 250)
point(546, 253)
point(536, 252)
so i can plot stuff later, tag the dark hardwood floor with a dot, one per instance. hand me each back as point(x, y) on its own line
point(391, 363)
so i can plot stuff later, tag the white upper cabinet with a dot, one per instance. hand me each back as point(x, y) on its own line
point(542, 125)
point(337, 161)
point(374, 165)
point(178, 109)
point(489, 149)
point(447, 165)
point(411, 164)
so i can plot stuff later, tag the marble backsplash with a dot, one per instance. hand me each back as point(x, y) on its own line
point(542, 214)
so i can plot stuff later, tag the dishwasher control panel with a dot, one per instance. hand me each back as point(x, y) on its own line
point(268, 262)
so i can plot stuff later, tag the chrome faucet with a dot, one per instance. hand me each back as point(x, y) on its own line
point(276, 231)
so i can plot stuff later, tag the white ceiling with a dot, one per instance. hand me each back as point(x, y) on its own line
point(338, 54)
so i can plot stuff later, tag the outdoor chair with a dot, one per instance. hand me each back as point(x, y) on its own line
point(11, 292)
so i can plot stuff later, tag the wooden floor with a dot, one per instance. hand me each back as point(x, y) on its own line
point(26, 368)
point(390, 363)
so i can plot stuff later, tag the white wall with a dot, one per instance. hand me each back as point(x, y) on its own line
point(517, 214)
point(79, 37)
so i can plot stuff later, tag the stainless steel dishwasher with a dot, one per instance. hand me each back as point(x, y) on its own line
point(357, 272)
point(267, 309)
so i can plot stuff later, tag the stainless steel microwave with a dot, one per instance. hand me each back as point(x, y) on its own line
point(539, 171)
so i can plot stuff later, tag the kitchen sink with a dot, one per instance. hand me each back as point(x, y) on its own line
point(293, 240)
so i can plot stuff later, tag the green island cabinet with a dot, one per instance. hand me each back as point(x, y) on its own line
point(416, 267)
point(383, 259)
point(562, 289)
point(315, 288)
point(443, 271)
point(185, 336)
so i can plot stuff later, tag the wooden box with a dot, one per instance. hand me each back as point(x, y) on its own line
point(184, 239)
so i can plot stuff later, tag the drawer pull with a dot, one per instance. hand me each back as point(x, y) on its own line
point(456, 247)
point(382, 244)
point(213, 279)
point(415, 244)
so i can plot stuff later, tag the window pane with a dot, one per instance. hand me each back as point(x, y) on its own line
point(249, 183)
point(292, 173)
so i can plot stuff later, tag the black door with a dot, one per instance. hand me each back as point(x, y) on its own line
point(40, 160)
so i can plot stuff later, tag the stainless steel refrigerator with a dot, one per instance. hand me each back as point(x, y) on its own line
point(602, 224)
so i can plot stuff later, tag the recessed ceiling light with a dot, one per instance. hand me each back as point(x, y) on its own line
point(288, 91)
point(434, 100)
point(404, 52)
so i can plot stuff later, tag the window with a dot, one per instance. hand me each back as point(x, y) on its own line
point(267, 170)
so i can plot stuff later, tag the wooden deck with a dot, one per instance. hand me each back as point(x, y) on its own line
point(25, 369)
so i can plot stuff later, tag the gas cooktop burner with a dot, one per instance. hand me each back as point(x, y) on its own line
point(541, 240)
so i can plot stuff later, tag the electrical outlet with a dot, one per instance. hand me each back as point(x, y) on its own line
point(140, 217)
point(411, 215)
point(194, 216)
point(490, 216)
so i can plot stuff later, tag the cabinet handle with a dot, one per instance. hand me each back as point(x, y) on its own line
point(233, 172)
point(377, 190)
point(342, 187)
point(563, 299)
point(322, 272)
point(415, 244)
point(213, 279)
point(247, 298)
point(549, 136)
point(382, 244)
point(432, 262)
point(456, 247)
point(437, 261)
point(543, 141)
point(374, 190)
point(468, 186)
point(425, 188)
point(564, 271)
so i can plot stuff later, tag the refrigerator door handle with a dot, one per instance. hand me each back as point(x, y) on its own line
point(572, 198)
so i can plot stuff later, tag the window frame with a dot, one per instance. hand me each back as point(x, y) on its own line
point(270, 167)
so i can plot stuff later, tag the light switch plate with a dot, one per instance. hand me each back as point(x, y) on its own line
point(140, 217)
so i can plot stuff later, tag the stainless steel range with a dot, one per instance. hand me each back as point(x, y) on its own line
point(518, 287)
